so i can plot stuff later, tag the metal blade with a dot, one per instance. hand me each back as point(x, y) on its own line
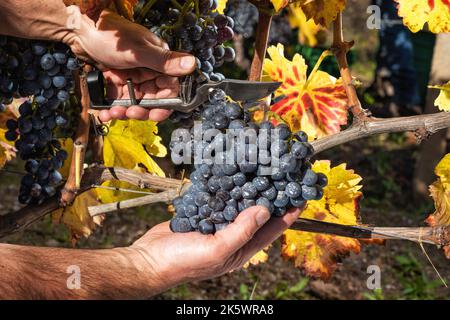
point(241, 90)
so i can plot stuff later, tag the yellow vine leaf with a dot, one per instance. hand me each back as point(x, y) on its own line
point(316, 104)
point(66, 144)
point(440, 192)
point(7, 150)
point(323, 12)
point(416, 13)
point(443, 100)
point(260, 257)
point(133, 142)
point(307, 28)
point(318, 254)
point(279, 4)
point(222, 4)
point(76, 217)
point(130, 144)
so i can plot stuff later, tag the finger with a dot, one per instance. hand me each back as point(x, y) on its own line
point(137, 113)
point(167, 82)
point(149, 89)
point(138, 94)
point(166, 93)
point(138, 75)
point(104, 115)
point(159, 114)
point(241, 231)
point(118, 113)
point(271, 231)
point(165, 61)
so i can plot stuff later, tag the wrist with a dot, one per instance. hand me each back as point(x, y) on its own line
point(150, 275)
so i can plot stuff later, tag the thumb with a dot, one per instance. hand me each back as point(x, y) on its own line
point(241, 231)
point(169, 62)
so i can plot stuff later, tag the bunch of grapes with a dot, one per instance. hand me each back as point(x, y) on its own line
point(194, 27)
point(239, 164)
point(43, 73)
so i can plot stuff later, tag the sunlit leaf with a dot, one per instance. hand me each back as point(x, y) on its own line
point(443, 100)
point(323, 12)
point(7, 150)
point(440, 192)
point(279, 4)
point(66, 144)
point(76, 217)
point(222, 4)
point(130, 143)
point(260, 257)
point(307, 29)
point(316, 104)
point(416, 13)
point(317, 254)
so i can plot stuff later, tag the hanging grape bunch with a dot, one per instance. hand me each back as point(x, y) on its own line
point(194, 27)
point(43, 73)
point(239, 164)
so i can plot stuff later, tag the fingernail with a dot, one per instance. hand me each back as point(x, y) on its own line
point(262, 217)
point(187, 62)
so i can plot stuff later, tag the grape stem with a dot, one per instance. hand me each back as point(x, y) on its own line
point(145, 10)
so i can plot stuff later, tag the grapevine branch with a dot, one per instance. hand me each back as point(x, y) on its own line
point(340, 49)
point(81, 140)
point(262, 39)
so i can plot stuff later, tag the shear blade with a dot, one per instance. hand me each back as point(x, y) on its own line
point(241, 90)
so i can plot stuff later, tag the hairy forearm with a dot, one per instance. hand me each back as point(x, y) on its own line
point(51, 273)
point(37, 19)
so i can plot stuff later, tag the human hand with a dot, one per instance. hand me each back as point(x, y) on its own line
point(127, 50)
point(181, 257)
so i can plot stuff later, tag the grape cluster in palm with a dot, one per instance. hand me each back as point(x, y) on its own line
point(239, 164)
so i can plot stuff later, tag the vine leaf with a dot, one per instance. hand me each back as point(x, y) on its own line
point(443, 100)
point(316, 104)
point(222, 4)
point(7, 150)
point(416, 13)
point(318, 254)
point(323, 12)
point(133, 142)
point(260, 257)
point(307, 29)
point(67, 145)
point(130, 144)
point(279, 4)
point(440, 192)
point(77, 218)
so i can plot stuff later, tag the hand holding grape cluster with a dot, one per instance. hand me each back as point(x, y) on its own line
point(240, 164)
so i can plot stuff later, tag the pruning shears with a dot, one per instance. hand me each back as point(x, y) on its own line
point(191, 96)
